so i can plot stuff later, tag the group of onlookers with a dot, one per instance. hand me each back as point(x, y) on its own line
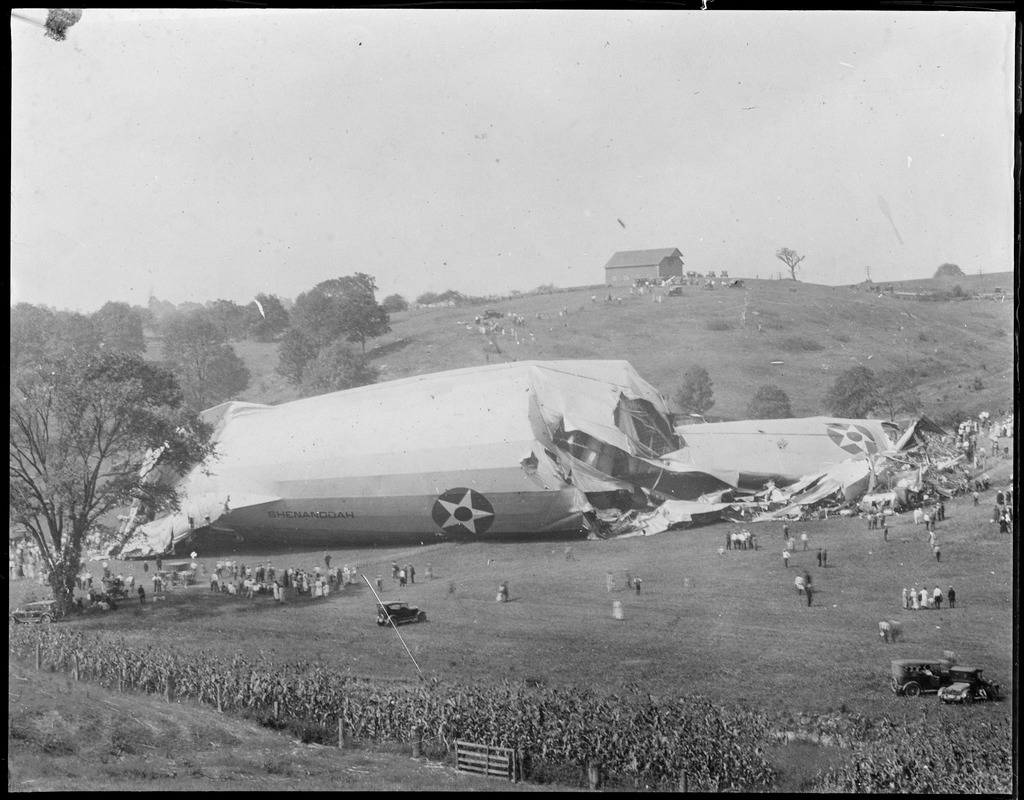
point(916, 600)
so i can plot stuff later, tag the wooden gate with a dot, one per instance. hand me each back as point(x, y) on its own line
point(482, 759)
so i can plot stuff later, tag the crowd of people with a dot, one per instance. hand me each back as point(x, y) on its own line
point(917, 600)
point(236, 579)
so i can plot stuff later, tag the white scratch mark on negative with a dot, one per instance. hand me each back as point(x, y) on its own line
point(909, 159)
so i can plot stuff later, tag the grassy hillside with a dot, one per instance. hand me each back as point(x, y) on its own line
point(816, 331)
point(728, 626)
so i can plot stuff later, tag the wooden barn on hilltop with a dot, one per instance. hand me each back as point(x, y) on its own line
point(624, 268)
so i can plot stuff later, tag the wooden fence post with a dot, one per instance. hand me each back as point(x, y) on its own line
point(341, 731)
point(683, 787)
point(169, 688)
point(417, 742)
point(77, 668)
point(594, 775)
point(220, 701)
point(39, 656)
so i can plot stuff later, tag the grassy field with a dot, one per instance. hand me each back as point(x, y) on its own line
point(726, 626)
point(951, 348)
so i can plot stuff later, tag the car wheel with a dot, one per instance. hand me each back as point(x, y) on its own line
point(421, 617)
point(912, 689)
point(968, 699)
point(46, 619)
point(381, 622)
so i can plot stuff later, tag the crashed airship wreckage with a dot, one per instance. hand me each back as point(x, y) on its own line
point(523, 448)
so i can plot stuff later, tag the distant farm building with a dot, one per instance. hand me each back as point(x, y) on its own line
point(623, 269)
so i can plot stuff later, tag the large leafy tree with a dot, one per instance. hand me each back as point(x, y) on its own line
point(120, 328)
point(790, 258)
point(235, 321)
point(38, 333)
point(896, 392)
point(80, 428)
point(272, 321)
point(206, 366)
point(335, 368)
point(293, 354)
point(32, 333)
point(948, 270)
point(696, 394)
point(769, 402)
point(853, 393)
point(343, 307)
point(395, 302)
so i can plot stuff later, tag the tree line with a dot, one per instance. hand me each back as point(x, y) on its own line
point(90, 416)
point(855, 393)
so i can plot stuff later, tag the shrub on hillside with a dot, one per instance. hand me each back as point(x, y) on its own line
point(395, 302)
point(769, 402)
point(717, 324)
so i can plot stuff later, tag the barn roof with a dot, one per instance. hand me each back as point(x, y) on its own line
point(641, 258)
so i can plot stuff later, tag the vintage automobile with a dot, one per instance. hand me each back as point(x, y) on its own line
point(968, 684)
point(113, 589)
point(398, 612)
point(178, 572)
point(675, 291)
point(912, 676)
point(43, 611)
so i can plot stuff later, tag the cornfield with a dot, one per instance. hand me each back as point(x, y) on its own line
point(640, 740)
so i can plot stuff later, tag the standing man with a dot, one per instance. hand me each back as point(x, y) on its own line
point(785, 532)
point(937, 598)
point(904, 598)
point(808, 588)
point(824, 558)
point(819, 556)
point(938, 552)
point(951, 596)
point(327, 561)
point(412, 574)
point(803, 538)
point(142, 595)
point(785, 558)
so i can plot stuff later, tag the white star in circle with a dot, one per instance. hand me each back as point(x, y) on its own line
point(466, 503)
point(853, 439)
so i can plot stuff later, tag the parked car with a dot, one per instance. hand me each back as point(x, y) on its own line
point(113, 589)
point(968, 685)
point(911, 676)
point(675, 291)
point(398, 612)
point(178, 572)
point(43, 611)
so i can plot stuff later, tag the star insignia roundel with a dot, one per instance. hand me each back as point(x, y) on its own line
point(463, 510)
point(854, 439)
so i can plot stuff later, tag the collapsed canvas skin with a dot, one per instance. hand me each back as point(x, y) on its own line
point(507, 449)
point(501, 449)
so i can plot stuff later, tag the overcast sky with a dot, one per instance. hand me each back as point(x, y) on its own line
point(198, 155)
